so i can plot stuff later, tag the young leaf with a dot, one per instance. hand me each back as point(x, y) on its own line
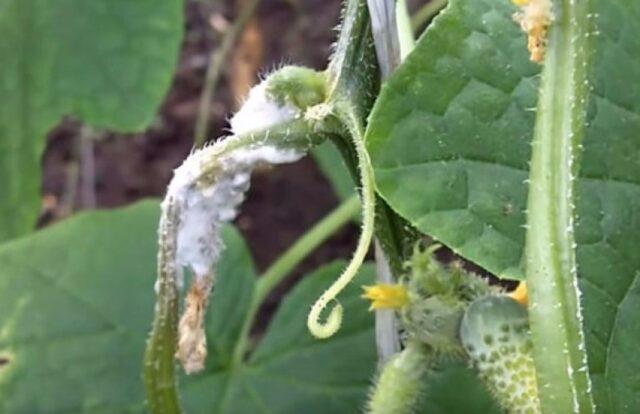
point(450, 142)
point(108, 63)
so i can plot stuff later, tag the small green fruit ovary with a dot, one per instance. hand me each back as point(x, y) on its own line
point(495, 333)
point(299, 86)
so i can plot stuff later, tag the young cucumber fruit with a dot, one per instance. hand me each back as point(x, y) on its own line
point(495, 333)
point(398, 387)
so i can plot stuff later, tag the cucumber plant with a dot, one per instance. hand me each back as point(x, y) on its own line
point(486, 58)
point(508, 132)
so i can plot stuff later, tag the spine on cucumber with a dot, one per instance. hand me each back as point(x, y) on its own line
point(398, 387)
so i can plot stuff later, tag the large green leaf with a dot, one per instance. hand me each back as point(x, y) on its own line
point(76, 302)
point(450, 141)
point(107, 62)
point(75, 306)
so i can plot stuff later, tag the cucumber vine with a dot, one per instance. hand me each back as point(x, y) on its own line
point(555, 311)
point(492, 161)
point(530, 353)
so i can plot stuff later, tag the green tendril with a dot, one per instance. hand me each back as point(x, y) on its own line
point(332, 323)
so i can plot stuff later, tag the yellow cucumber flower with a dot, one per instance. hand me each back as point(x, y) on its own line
point(386, 296)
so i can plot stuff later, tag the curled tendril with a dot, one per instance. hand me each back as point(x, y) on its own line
point(332, 324)
point(334, 320)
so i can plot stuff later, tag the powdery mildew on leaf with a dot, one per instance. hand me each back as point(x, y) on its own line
point(260, 112)
point(205, 193)
point(210, 185)
point(206, 202)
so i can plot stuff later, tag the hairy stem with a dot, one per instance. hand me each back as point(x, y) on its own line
point(400, 381)
point(159, 365)
point(555, 314)
point(215, 69)
point(279, 270)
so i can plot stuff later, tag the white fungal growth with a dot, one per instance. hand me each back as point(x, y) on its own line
point(260, 112)
point(210, 185)
point(205, 203)
point(205, 193)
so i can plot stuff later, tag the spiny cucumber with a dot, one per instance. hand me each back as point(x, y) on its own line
point(398, 387)
point(495, 333)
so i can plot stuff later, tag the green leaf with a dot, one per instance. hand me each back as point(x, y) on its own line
point(290, 371)
point(449, 135)
point(75, 304)
point(450, 140)
point(106, 62)
point(447, 383)
point(330, 161)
